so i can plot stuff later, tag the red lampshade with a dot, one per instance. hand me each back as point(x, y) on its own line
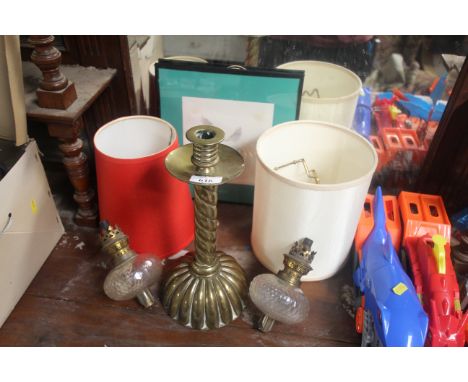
point(135, 190)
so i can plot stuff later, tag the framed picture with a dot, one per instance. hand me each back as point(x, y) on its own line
point(244, 102)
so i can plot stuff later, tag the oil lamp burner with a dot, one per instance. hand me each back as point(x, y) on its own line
point(279, 296)
point(207, 289)
point(132, 275)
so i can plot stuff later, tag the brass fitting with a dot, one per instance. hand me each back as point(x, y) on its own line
point(114, 241)
point(297, 262)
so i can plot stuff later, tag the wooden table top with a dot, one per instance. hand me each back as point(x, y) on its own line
point(90, 82)
point(65, 304)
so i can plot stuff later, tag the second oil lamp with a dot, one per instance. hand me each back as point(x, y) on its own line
point(279, 296)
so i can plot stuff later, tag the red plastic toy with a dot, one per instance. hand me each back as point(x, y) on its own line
point(437, 287)
point(405, 131)
point(426, 240)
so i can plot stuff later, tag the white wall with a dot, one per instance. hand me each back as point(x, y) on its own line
point(12, 108)
point(145, 50)
point(223, 48)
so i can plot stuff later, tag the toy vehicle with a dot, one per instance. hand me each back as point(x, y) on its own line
point(438, 88)
point(390, 313)
point(420, 107)
point(416, 106)
point(427, 236)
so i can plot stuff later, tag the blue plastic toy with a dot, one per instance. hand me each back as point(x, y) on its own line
point(416, 106)
point(439, 88)
point(460, 220)
point(393, 311)
point(438, 110)
point(363, 114)
point(385, 95)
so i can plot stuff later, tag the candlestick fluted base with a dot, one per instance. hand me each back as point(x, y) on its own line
point(204, 296)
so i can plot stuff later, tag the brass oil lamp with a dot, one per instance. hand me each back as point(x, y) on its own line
point(208, 288)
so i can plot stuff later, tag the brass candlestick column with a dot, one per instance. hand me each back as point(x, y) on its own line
point(206, 290)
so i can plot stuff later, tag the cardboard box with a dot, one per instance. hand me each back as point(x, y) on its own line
point(29, 223)
point(30, 227)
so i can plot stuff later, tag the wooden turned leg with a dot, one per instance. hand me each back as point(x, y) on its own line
point(76, 164)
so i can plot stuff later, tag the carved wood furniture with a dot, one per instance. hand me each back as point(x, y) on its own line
point(100, 52)
point(66, 125)
point(55, 90)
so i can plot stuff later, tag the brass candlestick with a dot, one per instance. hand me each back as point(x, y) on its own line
point(207, 289)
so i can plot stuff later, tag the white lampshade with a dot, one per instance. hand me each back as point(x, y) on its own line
point(330, 92)
point(289, 206)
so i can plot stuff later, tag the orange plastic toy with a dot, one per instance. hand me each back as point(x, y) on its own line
point(423, 214)
point(380, 149)
point(391, 139)
point(402, 141)
point(366, 222)
point(431, 130)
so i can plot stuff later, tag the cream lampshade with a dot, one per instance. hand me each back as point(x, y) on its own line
point(289, 205)
point(330, 92)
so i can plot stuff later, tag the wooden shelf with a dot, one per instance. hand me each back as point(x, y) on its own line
point(89, 82)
